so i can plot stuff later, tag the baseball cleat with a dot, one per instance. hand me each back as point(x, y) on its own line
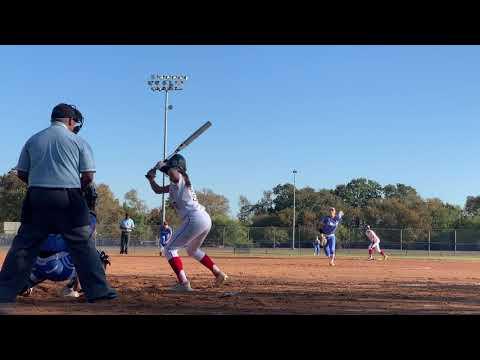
point(182, 287)
point(370, 259)
point(220, 279)
point(69, 292)
point(27, 292)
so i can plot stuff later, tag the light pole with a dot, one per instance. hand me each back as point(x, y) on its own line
point(293, 229)
point(166, 83)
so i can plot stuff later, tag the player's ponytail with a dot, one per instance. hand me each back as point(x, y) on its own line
point(187, 179)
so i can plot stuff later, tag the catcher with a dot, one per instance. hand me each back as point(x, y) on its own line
point(54, 261)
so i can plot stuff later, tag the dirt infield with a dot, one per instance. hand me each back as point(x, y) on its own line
point(280, 285)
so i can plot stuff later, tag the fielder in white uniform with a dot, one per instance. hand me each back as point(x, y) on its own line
point(196, 221)
point(374, 244)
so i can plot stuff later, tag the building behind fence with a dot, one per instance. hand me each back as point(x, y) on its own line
point(271, 237)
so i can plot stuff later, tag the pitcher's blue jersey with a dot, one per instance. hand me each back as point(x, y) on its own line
point(330, 224)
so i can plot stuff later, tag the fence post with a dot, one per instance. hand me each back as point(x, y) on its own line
point(349, 237)
point(223, 237)
point(455, 244)
point(401, 239)
point(428, 242)
point(274, 240)
point(299, 242)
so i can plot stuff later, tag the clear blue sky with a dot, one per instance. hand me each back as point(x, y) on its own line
point(406, 114)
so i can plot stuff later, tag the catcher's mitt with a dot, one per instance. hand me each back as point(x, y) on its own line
point(323, 240)
point(105, 259)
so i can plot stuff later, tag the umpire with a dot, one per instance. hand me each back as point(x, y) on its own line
point(56, 164)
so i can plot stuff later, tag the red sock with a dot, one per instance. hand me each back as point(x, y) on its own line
point(370, 252)
point(207, 262)
point(381, 252)
point(177, 266)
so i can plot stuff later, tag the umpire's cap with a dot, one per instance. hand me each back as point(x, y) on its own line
point(68, 111)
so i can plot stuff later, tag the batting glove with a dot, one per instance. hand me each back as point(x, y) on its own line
point(160, 164)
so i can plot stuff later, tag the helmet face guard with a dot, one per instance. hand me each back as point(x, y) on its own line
point(78, 119)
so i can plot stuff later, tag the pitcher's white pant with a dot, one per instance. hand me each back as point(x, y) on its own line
point(190, 235)
point(375, 246)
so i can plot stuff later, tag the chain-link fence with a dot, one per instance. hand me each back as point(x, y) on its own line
point(272, 239)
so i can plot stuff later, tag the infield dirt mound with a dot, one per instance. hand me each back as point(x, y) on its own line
point(279, 286)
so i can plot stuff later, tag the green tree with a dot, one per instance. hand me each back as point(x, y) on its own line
point(12, 194)
point(443, 216)
point(133, 204)
point(400, 191)
point(214, 204)
point(109, 210)
point(358, 192)
point(472, 205)
point(231, 231)
point(109, 213)
point(138, 211)
point(282, 197)
point(245, 212)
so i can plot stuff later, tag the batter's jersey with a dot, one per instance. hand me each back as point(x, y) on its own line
point(183, 198)
point(372, 236)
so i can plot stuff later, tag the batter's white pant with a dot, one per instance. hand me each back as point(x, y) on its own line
point(375, 246)
point(190, 235)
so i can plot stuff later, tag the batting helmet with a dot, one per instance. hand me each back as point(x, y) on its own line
point(177, 161)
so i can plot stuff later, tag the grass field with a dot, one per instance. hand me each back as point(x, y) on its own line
point(281, 284)
point(353, 253)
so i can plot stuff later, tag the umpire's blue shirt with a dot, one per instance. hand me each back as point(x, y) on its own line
point(55, 157)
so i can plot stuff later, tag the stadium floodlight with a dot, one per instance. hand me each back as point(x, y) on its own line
point(165, 83)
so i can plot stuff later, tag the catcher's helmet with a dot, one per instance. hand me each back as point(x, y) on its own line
point(68, 111)
point(177, 161)
point(90, 195)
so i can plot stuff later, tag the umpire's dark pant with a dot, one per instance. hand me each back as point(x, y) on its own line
point(47, 211)
point(124, 242)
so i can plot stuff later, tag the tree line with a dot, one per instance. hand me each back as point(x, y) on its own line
point(363, 201)
point(111, 210)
